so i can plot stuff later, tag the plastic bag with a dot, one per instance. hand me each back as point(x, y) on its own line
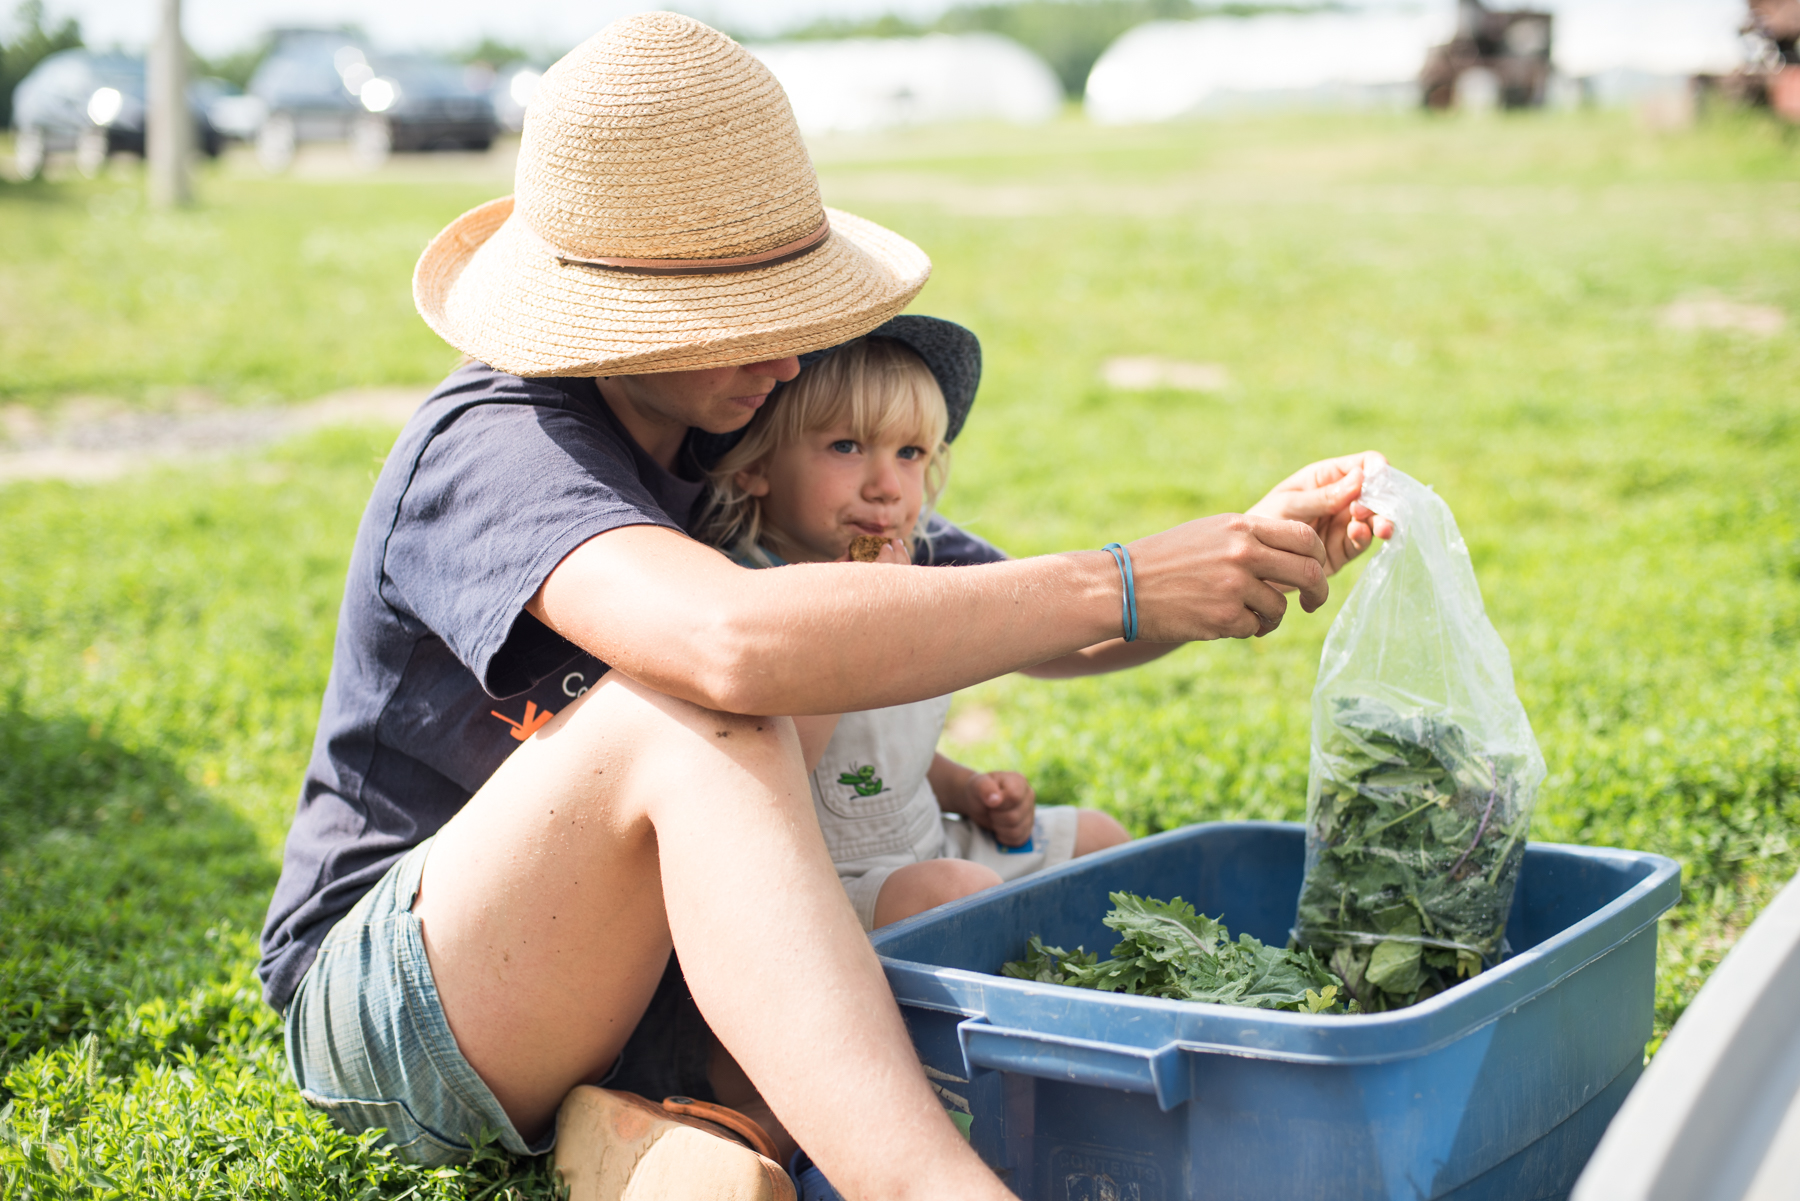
point(1424, 768)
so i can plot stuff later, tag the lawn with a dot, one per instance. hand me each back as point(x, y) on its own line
point(1483, 301)
point(271, 291)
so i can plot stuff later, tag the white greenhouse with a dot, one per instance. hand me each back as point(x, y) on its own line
point(1372, 57)
point(1658, 38)
point(862, 84)
point(1174, 68)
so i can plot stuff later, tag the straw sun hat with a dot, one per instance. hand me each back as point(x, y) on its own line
point(665, 217)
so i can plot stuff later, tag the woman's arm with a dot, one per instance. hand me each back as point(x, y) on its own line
point(833, 637)
point(1322, 494)
point(815, 735)
point(1115, 654)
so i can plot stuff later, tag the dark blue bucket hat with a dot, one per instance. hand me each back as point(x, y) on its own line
point(951, 352)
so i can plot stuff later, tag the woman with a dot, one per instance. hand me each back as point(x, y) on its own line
point(534, 774)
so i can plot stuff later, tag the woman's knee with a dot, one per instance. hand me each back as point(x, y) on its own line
point(1096, 831)
point(646, 744)
point(620, 706)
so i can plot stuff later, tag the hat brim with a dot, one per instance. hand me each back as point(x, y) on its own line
point(493, 289)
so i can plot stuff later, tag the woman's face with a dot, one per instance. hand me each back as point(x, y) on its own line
point(830, 486)
point(717, 399)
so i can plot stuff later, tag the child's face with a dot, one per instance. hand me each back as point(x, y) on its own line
point(829, 486)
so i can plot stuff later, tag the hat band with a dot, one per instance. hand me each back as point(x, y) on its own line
point(743, 262)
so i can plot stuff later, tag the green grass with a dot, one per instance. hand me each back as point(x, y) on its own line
point(1480, 301)
point(271, 290)
point(165, 641)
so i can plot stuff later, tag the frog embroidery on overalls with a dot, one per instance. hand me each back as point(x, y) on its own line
point(863, 779)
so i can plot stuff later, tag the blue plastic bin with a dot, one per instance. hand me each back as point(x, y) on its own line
point(1499, 1088)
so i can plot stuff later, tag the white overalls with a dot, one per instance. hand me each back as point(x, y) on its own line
point(878, 813)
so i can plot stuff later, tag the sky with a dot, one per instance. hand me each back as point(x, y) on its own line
point(216, 27)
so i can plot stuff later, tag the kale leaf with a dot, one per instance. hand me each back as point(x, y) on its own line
point(1414, 840)
point(1166, 949)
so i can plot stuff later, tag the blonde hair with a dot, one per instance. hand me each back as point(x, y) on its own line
point(873, 385)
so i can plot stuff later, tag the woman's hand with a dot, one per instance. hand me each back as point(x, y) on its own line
point(1223, 577)
point(1326, 495)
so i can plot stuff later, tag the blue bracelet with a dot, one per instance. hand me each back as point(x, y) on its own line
point(1122, 557)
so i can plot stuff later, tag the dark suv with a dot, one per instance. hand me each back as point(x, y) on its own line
point(428, 104)
point(325, 86)
point(93, 104)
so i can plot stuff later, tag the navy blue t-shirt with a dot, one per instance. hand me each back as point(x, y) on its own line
point(438, 672)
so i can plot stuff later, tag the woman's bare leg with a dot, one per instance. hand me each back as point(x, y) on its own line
point(549, 904)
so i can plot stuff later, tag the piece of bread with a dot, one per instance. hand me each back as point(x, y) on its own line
point(866, 548)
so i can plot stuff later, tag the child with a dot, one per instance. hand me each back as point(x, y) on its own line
point(853, 450)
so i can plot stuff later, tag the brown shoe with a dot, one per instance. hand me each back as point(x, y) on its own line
point(613, 1146)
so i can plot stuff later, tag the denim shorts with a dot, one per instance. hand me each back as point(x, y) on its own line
point(367, 1041)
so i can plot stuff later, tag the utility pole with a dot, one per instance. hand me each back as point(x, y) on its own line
point(170, 128)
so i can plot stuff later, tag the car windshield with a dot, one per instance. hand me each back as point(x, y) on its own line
point(119, 71)
point(295, 75)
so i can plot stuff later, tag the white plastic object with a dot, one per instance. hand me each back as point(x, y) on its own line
point(1716, 1116)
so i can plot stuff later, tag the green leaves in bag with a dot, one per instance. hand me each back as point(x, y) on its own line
point(1414, 843)
point(1423, 771)
point(1166, 949)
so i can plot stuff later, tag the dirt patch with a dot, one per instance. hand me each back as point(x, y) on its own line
point(1708, 311)
point(89, 440)
point(1146, 373)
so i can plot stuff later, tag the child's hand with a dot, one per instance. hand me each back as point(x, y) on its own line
point(1004, 802)
point(893, 550)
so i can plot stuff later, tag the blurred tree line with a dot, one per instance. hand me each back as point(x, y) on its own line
point(489, 52)
point(29, 43)
point(236, 67)
point(1070, 35)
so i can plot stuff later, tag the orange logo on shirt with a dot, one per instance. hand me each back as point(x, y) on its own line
point(534, 721)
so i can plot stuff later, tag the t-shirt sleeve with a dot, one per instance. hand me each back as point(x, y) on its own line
point(948, 545)
point(496, 501)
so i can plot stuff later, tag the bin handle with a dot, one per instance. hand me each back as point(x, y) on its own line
point(1160, 1071)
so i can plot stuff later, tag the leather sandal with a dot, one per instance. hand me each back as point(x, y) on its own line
point(614, 1146)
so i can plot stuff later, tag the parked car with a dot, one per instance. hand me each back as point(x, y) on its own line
point(427, 104)
point(326, 86)
point(308, 88)
point(93, 104)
